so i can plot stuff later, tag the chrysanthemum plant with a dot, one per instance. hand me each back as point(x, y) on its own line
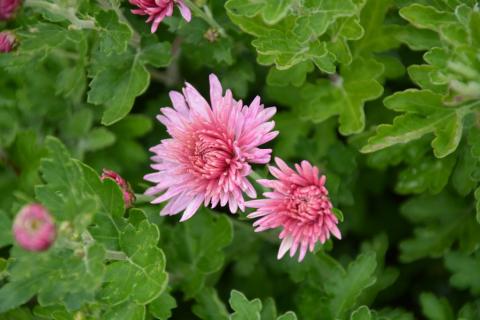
point(240, 159)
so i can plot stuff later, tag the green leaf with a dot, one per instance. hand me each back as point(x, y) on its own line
point(125, 311)
point(117, 86)
point(141, 277)
point(209, 306)
point(295, 76)
point(65, 193)
point(465, 270)
point(428, 17)
point(195, 248)
point(161, 308)
point(477, 206)
point(362, 313)
point(157, 54)
point(114, 35)
point(345, 290)
point(59, 277)
point(272, 11)
point(429, 175)
point(5, 229)
point(345, 96)
point(275, 11)
point(424, 114)
point(99, 138)
point(443, 221)
point(435, 308)
point(243, 308)
point(133, 126)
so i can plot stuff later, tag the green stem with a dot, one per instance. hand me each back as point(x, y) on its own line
point(67, 13)
point(207, 16)
point(141, 198)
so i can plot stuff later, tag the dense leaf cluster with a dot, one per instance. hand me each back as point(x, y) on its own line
point(382, 95)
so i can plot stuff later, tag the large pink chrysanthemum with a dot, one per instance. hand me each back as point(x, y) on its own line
point(299, 204)
point(157, 10)
point(208, 158)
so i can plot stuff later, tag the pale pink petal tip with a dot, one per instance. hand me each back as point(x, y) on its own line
point(33, 228)
point(209, 155)
point(157, 10)
point(299, 204)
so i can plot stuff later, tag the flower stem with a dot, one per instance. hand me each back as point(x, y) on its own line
point(66, 13)
point(207, 16)
point(141, 198)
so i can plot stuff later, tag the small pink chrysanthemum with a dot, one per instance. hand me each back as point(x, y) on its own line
point(8, 8)
point(33, 228)
point(7, 41)
point(157, 10)
point(207, 159)
point(128, 195)
point(299, 204)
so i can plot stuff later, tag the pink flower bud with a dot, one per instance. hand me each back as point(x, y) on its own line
point(7, 41)
point(128, 195)
point(8, 8)
point(33, 228)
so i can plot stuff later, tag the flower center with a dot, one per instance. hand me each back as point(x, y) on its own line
point(210, 156)
point(306, 204)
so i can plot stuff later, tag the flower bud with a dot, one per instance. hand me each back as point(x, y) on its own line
point(7, 41)
point(33, 228)
point(128, 195)
point(8, 8)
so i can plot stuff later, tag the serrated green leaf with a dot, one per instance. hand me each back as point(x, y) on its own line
point(157, 54)
point(243, 308)
point(59, 277)
point(344, 96)
point(99, 138)
point(444, 220)
point(114, 35)
point(427, 17)
point(425, 113)
point(65, 193)
point(209, 306)
point(117, 86)
point(465, 270)
point(435, 308)
point(141, 277)
point(197, 248)
point(362, 313)
point(161, 307)
point(125, 311)
point(359, 276)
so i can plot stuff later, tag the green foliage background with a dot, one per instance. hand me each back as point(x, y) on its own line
point(382, 95)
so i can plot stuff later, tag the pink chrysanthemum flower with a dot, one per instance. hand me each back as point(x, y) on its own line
point(8, 8)
point(7, 41)
point(157, 10)
point(299, 204)
point(33, 228)
point(128, 195)
point(208, 158)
